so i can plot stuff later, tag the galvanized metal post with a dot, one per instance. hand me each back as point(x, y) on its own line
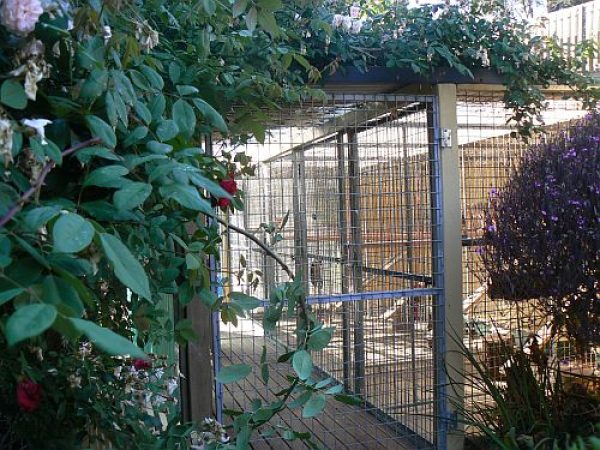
point(357, 261)
point(300, 226)
point(409, 226)
point(344, 255)
point(447, 267)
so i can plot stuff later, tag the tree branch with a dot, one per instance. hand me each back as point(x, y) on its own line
point(261, 244)
point(40, 180)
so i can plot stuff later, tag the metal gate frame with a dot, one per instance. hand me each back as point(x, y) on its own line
point(446, 290)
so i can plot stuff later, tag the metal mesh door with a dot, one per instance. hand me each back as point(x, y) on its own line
point(346, 194)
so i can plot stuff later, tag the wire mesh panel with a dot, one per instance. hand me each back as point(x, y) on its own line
point(343, 194)
point(489, 155)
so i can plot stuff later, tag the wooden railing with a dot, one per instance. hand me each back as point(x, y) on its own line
point(576, 24)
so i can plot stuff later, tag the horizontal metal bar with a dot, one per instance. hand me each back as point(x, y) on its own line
point(367, 296)
point(427, 279)
point(374, 295)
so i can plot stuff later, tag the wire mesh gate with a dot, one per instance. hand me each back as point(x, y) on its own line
point(347, 193)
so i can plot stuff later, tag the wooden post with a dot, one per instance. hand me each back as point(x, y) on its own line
point(357, 262)
point(447, 271)
point(196, 358)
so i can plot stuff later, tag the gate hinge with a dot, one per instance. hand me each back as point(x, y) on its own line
point(446, 137)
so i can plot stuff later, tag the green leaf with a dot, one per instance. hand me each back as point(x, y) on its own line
point(157, 106)
point(153, 77)
point(302, 364)
point(9, 294)
point(107, 340)
point(38, 217)
point(12, 94)
point(212, 116)
point(267, 21)
point(107, 176)
point(348, 399)
point(99, 128)
point(184, 117)
point(185, 331)
point(210, 6)
point(208, 297)
point(85, 154)
point(333, 390)
point(94, 85)
point(143, 112)
point(29, 321)
point(270, 5)
point(320, 339)
point(245, 301)
point(159, 147)
point(211, 186)
point(132, 195)
point(191, 262)
point(252, 19)
point(72, 233)
point(239, 7)
point(175, 72)
point(167, 130)
point(233, 373)
point(314, 406)
point(127, 268)
point(111, 109)
point(136, 135)
point(187, 196)
point(185, 89)
point(62, 295)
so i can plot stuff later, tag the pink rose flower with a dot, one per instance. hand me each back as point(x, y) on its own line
point(29, 395)
point(142, 364)
point(20, 16)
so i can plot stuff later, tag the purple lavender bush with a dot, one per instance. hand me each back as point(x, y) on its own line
point(542, 232)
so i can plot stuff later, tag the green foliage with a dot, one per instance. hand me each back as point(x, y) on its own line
point(106, 188)
point(532, 406)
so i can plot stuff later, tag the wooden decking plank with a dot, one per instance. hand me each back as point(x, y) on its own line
point(290, 418)
point(338, 427)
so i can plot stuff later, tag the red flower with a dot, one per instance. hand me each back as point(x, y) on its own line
point(142, 364)
point(29, 395)
point(230, 186)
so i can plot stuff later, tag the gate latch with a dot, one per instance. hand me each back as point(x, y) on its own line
point(446, 140)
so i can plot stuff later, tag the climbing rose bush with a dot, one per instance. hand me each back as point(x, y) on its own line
point(20, 16)
point(542, 231)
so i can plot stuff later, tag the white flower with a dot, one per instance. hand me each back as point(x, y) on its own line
point(337, 20)
point(20, 16)
point(38, 125)
point(146, 36)
point(172, 386)
point(35, 70)
point(357, 26)
point(347, 23)
point(85, 349)
point(106, 33)
point(6, 141)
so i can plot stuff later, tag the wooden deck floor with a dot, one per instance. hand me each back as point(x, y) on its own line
point(340, 426)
